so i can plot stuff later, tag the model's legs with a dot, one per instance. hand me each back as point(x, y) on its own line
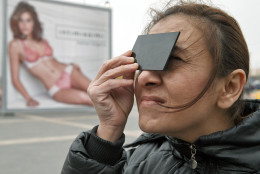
point(72, 96)
point(77, 93)
point(79, 80)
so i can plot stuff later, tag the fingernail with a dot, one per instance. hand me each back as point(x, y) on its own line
point(132, 59)
point(135, 65)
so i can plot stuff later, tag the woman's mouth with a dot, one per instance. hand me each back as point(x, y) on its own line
point(151, 100)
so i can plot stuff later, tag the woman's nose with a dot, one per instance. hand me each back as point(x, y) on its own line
point(149, 78)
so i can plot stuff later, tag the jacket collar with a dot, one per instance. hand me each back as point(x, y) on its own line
point(239, 145)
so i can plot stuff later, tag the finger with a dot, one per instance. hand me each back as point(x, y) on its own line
point(116, 72)
point(128, 53)
point(35, 104)
point(129, 75)
point(30, 104)
point(113, 84)
point(124, 61)
point(114, 62)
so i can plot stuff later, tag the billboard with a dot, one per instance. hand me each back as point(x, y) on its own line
point(52, 51)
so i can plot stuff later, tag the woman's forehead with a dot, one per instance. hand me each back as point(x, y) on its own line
point(26, 14)
point(189, 36)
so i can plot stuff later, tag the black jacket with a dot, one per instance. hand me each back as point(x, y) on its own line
point(234, 151)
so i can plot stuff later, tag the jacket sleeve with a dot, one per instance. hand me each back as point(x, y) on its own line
point(91, 154)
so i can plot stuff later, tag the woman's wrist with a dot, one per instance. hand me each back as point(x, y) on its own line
point(28, 98)
point(109, 133)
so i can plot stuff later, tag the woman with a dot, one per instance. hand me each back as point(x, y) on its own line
point(192, 113)
point(65, 83)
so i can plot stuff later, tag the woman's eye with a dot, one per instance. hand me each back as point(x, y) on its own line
point(174, 62)
point(176, 58)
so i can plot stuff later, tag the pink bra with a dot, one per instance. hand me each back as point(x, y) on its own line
point(31, 57)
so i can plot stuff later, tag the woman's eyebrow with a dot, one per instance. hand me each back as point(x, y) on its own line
point(177, 49)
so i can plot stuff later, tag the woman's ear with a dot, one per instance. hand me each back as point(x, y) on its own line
point(232, 88)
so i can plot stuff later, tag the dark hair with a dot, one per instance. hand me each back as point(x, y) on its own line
point(23, 7)
point(224, 39)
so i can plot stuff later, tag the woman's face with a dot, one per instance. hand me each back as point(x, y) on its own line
point(187, 73)
point(26, 24)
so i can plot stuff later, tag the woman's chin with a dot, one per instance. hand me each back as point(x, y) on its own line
point(148, 126)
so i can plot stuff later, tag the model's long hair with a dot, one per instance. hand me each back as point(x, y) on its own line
point(224, 39)
point(23, 7)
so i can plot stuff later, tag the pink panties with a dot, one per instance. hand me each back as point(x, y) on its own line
point(64, 82)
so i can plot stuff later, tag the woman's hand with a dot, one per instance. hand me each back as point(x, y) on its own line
point(76, 66)
point(113, 97)
point(32, 103)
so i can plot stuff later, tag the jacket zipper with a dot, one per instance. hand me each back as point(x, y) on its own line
point(193, 161)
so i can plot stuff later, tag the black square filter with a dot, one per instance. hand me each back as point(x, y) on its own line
point(153, 51)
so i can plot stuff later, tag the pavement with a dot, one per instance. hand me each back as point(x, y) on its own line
point(39, 143)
